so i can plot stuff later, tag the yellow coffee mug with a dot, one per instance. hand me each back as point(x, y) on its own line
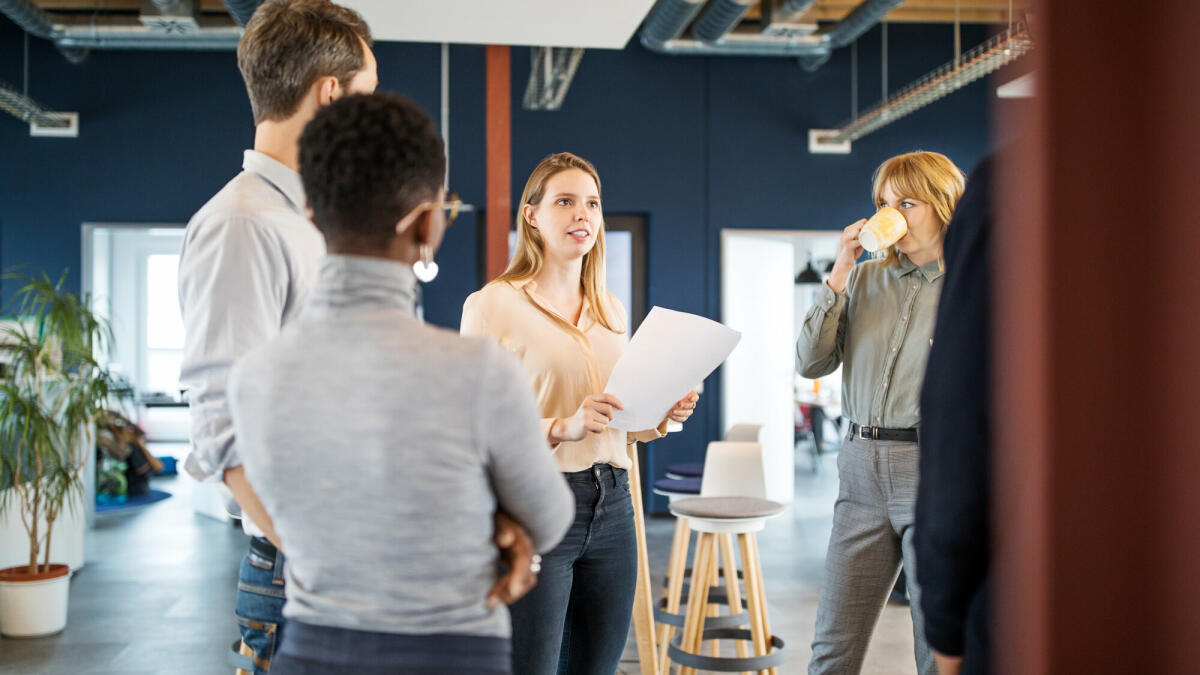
point(884, 228)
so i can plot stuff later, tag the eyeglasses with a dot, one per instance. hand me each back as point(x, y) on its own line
point(452, 205)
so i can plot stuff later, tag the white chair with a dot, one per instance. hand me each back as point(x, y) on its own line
point(744, 432)
point(734, 469)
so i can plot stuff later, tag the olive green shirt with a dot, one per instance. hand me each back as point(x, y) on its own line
point(880, 330)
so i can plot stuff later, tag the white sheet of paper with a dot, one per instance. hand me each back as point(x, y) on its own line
point(670, 353)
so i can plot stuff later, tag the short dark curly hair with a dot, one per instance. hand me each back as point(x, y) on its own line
point(366, 161)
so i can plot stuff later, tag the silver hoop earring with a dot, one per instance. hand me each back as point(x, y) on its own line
point(425, 269)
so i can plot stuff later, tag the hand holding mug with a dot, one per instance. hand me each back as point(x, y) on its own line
point(848, 252)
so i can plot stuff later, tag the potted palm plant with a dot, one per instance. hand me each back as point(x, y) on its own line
point(52, 391)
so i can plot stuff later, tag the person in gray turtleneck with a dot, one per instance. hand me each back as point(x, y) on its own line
point(379, 446)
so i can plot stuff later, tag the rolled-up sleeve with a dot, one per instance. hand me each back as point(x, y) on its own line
point(524, 475)
point(231, 301)
point(819, 348)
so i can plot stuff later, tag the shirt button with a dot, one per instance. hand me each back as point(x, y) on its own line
point(893, 349)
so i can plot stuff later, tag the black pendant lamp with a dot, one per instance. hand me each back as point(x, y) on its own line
point(808, 275)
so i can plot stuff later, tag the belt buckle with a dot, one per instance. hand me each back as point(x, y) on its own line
point(865, 435)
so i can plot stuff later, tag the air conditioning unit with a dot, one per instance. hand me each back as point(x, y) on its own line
point(170, 17)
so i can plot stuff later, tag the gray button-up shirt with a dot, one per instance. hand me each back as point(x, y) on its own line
point(880, 330)
point(249, 257)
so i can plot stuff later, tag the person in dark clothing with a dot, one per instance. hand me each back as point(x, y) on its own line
point(953, 499)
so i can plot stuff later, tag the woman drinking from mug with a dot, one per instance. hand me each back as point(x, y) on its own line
point(875, 319)
point(552, 309)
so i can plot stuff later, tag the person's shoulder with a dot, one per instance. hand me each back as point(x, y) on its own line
point(247, 200)
point(496, 296)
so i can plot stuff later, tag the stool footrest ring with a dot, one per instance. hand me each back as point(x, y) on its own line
point(728, 664)
point(661, 615)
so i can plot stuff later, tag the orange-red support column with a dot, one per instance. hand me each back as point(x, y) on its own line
point(498, 161)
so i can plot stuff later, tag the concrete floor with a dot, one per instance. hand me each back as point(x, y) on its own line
point(156, 595)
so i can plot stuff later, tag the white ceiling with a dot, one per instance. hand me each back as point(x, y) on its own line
point(595, 24)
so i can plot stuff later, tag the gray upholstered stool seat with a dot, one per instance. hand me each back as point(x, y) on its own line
point(721, 508)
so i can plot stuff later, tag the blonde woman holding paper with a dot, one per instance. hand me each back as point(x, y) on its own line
point(551, 307)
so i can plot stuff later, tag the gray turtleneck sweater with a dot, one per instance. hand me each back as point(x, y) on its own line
point(381, 447)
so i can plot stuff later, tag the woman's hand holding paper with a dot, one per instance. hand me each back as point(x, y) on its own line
point(684, 408)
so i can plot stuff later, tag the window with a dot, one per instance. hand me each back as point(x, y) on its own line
point(163, 324)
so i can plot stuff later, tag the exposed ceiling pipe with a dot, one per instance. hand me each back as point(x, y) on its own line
point(814, 49)
point(796, 6)
point(668, 18)
point(850, 28)
point(241, 10)
point(741, 43)
point(221, 36)
point(551, 70)
point(31, 18)
point(75, 35)
point(719, 17)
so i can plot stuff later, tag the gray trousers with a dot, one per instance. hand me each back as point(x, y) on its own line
point(872, 535)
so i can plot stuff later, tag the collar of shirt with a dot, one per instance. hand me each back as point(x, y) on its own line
point(931, 270)
point(347, 282)
point(281, 177)
point(531, 291)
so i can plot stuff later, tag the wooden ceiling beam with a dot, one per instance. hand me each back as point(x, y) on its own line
point(114, 5)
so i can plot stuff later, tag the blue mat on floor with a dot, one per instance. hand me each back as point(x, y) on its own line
point(134, 502)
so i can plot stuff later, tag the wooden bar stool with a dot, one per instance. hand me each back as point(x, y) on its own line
point(717, 520)
point(732, 469)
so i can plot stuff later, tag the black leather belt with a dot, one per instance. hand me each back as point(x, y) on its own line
point(881, 434)
point(263, 548)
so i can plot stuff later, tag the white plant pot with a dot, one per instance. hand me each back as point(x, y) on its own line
point(34, 608)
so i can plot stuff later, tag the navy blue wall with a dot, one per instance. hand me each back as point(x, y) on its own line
point(694, 144)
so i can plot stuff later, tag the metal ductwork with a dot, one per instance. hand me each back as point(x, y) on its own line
point(31, 18)
point(163, 24)
point(796, 6)
point(814, 49)
point(849, 29)
point(719, 17)
point(668, 18)
point(551, 70)
point(241, 10)
point(210, 35)
point(26, 109)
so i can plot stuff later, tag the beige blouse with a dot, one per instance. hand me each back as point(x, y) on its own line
point(566, 362)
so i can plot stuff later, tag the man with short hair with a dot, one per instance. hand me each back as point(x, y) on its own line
point(250, 255)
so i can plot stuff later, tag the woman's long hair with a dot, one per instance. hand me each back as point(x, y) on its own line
point(928, 176)
point(529, 257)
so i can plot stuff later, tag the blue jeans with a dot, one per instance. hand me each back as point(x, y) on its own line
point(576, 619)
point(260, 606)
point(325, 650)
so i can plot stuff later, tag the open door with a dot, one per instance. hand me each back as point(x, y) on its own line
point(757, 298)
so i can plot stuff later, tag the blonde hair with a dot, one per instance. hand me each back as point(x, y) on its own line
point(926, 176)
point(529, 257)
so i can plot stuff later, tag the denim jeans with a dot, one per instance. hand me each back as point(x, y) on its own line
point(260, 606)
point(576, 619)
point(325, 650)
